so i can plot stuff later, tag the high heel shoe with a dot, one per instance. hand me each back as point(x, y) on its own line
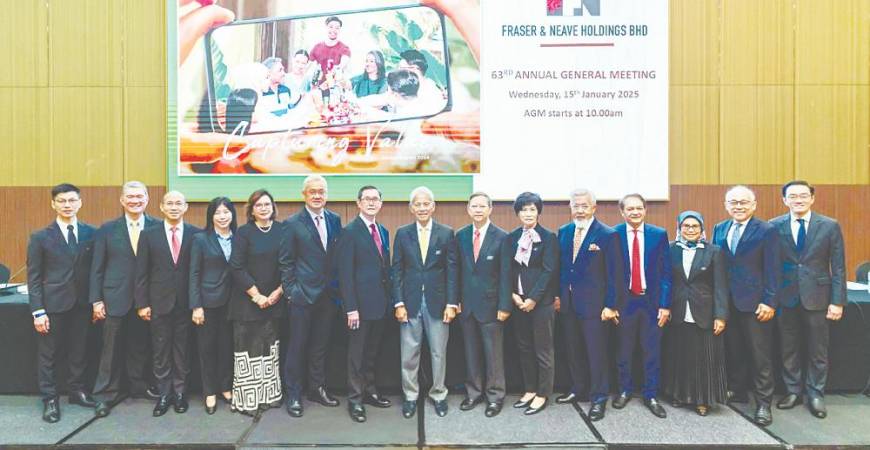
point(532, 411)
point(702, 410)
point(520, 404)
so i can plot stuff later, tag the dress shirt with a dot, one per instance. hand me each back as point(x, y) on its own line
point(795, 225)
point(640, 240)
point(688, 257)
point(325, 238)
point(226, 244)
point(731, 232)
point(482, 230)
point(178, 232)
point(63, 230)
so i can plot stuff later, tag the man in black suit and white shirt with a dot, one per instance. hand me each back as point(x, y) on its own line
point(308, 278)
point(363, 257)
point(424, 295)
point(161, 296)
point(484, 309)
point(813, 291)
point(58, 261)
point(126, 339)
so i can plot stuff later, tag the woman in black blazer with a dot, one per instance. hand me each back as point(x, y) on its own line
point(531, 253)
point(694, 355)
point(210, 282)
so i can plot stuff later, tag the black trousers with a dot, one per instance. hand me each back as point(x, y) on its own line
point(746, 335)
point(586, 353)
point(68, 334)
point(534, 333)
point(568, 326)
point(362, 351)
point(310, 329)
point(169, 338)
point(799, 327)
point(214, 340)
point(126, 348)
point(484, 358)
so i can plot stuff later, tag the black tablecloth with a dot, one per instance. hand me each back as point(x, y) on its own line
point(849, 352)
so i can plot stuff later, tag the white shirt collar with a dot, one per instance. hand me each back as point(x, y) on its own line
point(806, 217)
point(313, 214)
point(428, 226)
point(366, 221)
point(130, 221)
point(167, 227)
point(74, 222)
point(482, 229)
point(585, 223)
point(629, 228)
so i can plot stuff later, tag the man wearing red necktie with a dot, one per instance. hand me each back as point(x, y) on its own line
point(363, 257)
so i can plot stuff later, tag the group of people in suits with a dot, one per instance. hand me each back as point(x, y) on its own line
point(670, 302)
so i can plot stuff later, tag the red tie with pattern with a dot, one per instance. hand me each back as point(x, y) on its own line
point(377, 238)
point(636, 288)
point(476, 244)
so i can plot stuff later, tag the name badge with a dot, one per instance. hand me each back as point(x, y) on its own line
point(489, 258)
point(437, 252)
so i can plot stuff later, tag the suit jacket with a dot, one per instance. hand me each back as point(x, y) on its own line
point(435, 277)
point(815, 277)
point(656, 265)
point(210, 276)
point(160, 283)
point(753, 271)
point(363, 275)
point(308, 272)
point(57, 276)
point(540, 277)
point(479, 282)
point(592, 280)
point(113, 273)
point(705, 289)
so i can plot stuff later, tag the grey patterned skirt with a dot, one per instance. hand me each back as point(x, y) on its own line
point(256, 379)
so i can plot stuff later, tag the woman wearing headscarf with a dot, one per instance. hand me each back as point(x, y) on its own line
point(532, 254)
point(694, 354)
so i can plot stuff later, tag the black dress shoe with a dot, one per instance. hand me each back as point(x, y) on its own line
point(320, 395)
point(294, 407)
point(357, 412)
point(596, 413)
point(181, 404)
point(520, 404)
point(440, 407)
point(51, 410)
point(469, 403)
point(211, 409)
point(492, 409)
point(530, 411)
point(817, 407)
point(567, 398)
point(102, 409)
point(676, 403)
point(736, 397)
point(163, 405)
point(763, 415)
point(789, 401)
point(409, 408)
point(656, 408)
point(82, 398)
point(377, 401)
point(622, 400)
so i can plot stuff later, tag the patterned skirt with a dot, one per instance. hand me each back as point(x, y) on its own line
point(694, 365)
point(256, 380)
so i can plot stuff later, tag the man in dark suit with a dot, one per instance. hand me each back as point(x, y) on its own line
point(645, 300)
point(813, 291)
point(424, 295)
point(126, 339)
point(484, 309)
point(752, 254)
point(590, 278)
point(58, 261)
point(308, 278)
point(161, 297)
point(363, 257)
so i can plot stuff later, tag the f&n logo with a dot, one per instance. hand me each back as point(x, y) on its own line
point(573, 7)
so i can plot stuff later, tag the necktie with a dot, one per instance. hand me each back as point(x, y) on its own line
point(578, 241)
point(71, 238)
point(636, 288)
point(321, 230)
point(424, 243)
point(476, 244)
point(176, 244)
point(134, 236)
point(377, 238)
point(735, 238)
point(802, 235)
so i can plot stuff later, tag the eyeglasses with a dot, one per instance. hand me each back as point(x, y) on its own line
point(799, 196)
point(370, 199)
point(687, 226)
point(262, 205)
point(67, 201)
point(739, 203)
point(176, 204)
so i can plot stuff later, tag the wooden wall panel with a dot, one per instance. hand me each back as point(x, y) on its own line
point(694, 134)
point(757, 42)
point(145, 134)
point(24, 49)
point(144, 38)
point(694, 42)
point(85, 42)
point(25, 138)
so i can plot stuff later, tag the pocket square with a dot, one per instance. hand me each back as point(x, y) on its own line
point(594, 248)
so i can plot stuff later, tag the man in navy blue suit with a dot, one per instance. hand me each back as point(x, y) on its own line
point(753, 267)
point(646, 300)
point(589, 280)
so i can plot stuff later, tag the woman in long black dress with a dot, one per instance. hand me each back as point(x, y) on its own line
point(532, 253)
point(694, 353)
point(255, 306)
point(210, 282)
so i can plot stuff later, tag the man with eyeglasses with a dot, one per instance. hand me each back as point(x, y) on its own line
point(58, 262)
point(126, 339)
point(813, 292)
point(752, 254)
point(363, 257)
